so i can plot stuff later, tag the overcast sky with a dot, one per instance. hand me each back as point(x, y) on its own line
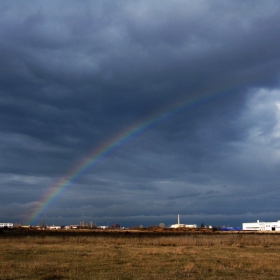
point(75, 74)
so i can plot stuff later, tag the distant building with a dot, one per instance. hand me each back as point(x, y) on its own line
point(103, 227)
point(116, 226)
point(179, 225)
point(8, 225)
point(231, 228)
point(54, 227)
point(183, 226)
point(262, 226)
point(71, 227)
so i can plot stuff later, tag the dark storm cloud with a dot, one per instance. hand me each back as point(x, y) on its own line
point(73, 75)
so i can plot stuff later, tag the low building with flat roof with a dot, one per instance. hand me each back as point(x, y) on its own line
point(262, 226)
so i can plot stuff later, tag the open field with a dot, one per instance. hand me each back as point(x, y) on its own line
point(139, 255)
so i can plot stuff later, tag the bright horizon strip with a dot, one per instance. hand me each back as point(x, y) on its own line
point(107, 148)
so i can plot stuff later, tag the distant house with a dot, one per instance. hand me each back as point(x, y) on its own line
point(262, 226)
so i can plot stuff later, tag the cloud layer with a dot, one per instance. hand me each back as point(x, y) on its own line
point(75, 75)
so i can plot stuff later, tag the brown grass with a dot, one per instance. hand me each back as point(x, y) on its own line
point(140, 256)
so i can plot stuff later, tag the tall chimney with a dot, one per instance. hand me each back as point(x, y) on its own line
point(178, 219)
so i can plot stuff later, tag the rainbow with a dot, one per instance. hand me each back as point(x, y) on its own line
point(111, 145)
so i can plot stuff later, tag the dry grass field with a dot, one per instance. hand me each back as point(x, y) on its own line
point(139, 255)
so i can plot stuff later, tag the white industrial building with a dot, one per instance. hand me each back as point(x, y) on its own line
point(179, 225)
point(9, 225)
point(262, 226)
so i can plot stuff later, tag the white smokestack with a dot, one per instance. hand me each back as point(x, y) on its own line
point(178, 219)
